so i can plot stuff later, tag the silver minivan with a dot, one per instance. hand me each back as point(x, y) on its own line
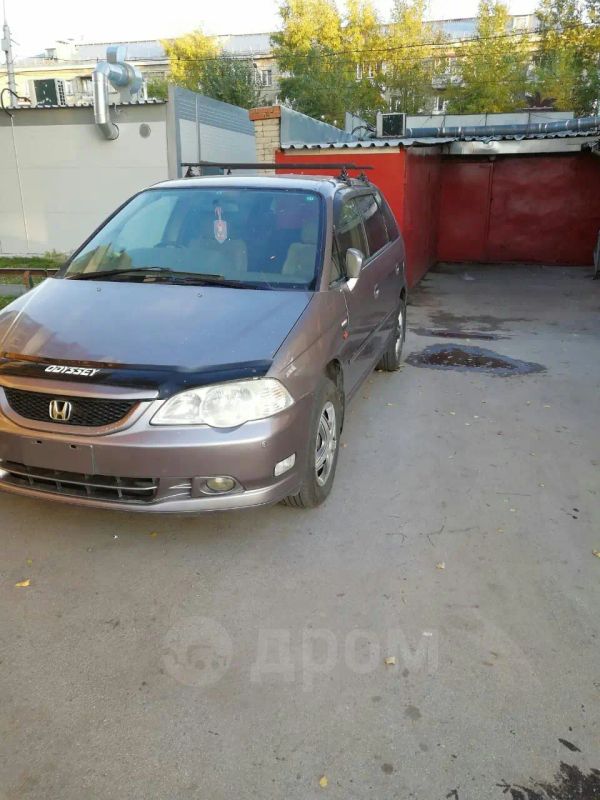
point(199, 350)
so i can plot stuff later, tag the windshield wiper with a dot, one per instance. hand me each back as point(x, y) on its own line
point(220, 280)
point(142, 272)
point(170, 275)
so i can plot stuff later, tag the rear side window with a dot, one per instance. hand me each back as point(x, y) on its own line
point(348, 233)
point(375, 227)
point(390, 222)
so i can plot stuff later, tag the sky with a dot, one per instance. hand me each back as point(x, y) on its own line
point(36, 24)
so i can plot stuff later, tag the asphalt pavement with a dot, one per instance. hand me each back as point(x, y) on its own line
point(431, 632)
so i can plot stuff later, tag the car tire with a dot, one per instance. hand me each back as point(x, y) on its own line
point(323, 448)
point(392, 358)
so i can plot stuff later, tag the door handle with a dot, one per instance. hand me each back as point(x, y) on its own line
point(397, 269)
point(376, 292)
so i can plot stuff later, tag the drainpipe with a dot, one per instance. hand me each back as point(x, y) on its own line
point(115, 71)
point(580, 124)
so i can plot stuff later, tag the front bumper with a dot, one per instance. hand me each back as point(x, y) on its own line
point(156, 469)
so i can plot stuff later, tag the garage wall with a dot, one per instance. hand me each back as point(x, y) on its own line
point(533, 209)
point(421, 209)
point(409, 180)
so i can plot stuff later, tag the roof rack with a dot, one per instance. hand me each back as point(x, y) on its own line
point(229, 167)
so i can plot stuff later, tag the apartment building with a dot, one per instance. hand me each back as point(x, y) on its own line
point(62, 74)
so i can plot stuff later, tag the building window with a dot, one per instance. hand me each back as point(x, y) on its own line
point(266, 77)
point(60, 90)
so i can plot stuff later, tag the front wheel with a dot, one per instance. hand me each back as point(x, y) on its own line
point(323, 449)
point(392, 358)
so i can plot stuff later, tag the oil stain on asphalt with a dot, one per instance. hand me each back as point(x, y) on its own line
point(570, 783)
point(465, 358)
point(439, 333)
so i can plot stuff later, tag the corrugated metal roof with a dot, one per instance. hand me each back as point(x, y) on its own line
point(370, 143)
point(512, 137)
point(41, 106)
point(427, 141)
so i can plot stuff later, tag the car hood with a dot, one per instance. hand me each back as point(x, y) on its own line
point(149, 324)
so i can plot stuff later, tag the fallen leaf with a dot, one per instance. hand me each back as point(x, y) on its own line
point(323, 782)
point(596, 553)
point(500, 530)
point(29, 562)
point(541, 484)
point(154, 534)
point(23, 584)
point(441, 565)
point(390, 661)
point(452, 413)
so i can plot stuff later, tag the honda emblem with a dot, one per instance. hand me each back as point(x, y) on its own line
point(60, 410)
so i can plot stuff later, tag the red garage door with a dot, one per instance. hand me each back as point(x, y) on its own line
point(544, 209)
point(534, 209)
point(464, 206)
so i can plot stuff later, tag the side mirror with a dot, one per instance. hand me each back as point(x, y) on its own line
point(354, 262)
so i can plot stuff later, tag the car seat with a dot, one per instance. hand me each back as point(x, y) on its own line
point(227, 258)
point(301, 256)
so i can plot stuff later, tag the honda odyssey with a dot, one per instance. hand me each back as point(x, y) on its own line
point(199, 350)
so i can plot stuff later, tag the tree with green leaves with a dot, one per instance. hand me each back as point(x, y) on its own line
point(568, 62)
point(414, 57)
point(198, 64)
point(232, 80)
point(157, 88)
point(493, 68)
point(188, 56)
point(330, 64)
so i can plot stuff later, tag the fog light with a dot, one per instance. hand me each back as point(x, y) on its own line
point(285, 465)
point(220, 484)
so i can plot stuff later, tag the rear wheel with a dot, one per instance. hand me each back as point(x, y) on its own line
point(323, 449)
point(392, 358)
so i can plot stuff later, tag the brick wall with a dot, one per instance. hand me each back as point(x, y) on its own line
point(267, 130)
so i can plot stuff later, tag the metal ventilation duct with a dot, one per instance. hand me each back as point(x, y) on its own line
point(117, 72)
point(530, 129)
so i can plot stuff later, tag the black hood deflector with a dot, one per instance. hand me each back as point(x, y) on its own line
point(167, 380)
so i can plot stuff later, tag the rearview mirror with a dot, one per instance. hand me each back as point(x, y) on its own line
point(354, 262)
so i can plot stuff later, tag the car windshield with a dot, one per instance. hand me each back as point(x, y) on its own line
point(243, 237)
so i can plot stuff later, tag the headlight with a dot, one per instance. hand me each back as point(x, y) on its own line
point(225, 405)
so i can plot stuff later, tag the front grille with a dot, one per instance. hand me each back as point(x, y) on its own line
point(97, 487)
point(92, 412)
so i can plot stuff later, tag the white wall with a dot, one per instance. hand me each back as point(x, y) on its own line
point(59, 178)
